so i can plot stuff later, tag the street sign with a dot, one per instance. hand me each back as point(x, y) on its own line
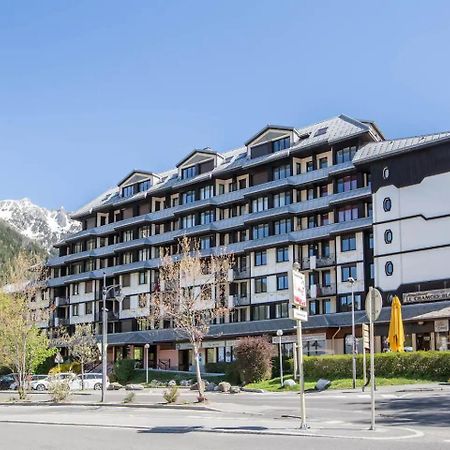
point(59, 359)
point(365, 335)
point(374, 303)
point(298, 288)
point(299, 314)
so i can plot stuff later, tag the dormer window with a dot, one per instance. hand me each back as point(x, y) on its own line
point(188, 172)
point(128, 191)
point(281, 144)
point(144, 186)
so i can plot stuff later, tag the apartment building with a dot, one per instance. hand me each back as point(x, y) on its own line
point(288, 195)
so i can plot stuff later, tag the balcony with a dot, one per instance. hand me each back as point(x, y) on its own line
point(240, 301)
point(316, 290)
point(60, 321)
point(313, 262)
point(61, 301)
point(240, 273)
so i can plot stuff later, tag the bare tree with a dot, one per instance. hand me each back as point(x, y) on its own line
point(23, 346)
point(192, 293)
point(82, 346)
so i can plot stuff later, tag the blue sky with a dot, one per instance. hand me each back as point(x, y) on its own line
point(92, 89)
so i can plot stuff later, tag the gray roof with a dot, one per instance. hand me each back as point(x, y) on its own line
point(258, 327)
point(384, 149)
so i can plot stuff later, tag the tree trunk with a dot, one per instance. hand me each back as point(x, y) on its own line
point(82, 375)
point(201, 391)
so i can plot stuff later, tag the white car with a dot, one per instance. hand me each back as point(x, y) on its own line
point(14, 386)
point(91, 381)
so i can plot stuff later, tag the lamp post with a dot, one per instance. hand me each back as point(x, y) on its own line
point(118, 297)
point(351, 280)
point(279, 334)
point(146, 347)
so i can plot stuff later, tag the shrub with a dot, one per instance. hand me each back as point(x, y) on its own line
point(124, 370)
point(66, 367)
point(59, 389)
point(426, 365)
point(171, 394)
point(129, 398)
point(254, 359)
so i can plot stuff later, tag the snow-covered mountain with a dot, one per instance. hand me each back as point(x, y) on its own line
point(41, 225)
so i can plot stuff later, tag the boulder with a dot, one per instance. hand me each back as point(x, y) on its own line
point(224, 386)
point(185, 383)
point(322, 384)
point(134, 387)
point(210, 387)
point(289, 383)
point(114, 386)
point(235, 390)
point(171, 383)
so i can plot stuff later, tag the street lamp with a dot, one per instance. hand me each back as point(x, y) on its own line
point(146, 347)
point(279, 334)
point(351, 280)
point(118, 297)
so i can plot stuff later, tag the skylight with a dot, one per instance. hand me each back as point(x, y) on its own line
point(320, 131)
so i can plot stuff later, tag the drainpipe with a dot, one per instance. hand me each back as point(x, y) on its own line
point(334, 335)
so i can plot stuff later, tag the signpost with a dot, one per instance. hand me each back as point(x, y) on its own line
point(298, 301)
point(374, 304)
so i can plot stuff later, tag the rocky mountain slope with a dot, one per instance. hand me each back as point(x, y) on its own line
point(36, 224)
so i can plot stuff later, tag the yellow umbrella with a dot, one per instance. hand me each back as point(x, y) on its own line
point(396, 332)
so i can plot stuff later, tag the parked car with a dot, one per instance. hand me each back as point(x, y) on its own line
point(15, 384)
point(7, 380)
point(91, 381)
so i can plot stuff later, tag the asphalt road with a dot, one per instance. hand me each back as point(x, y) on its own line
point(406, 418)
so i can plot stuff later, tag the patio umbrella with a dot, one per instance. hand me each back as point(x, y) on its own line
point(396, 336)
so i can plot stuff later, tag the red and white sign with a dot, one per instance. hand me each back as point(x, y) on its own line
point(298, 289)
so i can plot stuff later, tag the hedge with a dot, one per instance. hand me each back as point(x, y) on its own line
point(229, 369)
point(429, 365)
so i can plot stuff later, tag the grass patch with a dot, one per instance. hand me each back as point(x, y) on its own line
point(273, 385)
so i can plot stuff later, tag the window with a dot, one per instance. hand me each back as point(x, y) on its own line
point(188, 197)
point(260, 258)
point(282, 226)
point(188, 221)
point(348, 243)
point(143, 277)
point(323, 190)
point(387, 204)
point(89, 265)
point(75, 288)
point(312, 222)
point(347, 213)
point(282, 172)
point(282, 282)
point(310, 194)
point(281, 310)
point(326, 306)
point(260, 204)
point(323, 163)
point(348, 271)
point(127, 236)
point(90, 244)
point(281, 144)
point(206, 192)
point(260, 312)
point(144, 254)
point(144, 232)
point(372, 271)
point(389, 268)
point(282, 199)
point(127, 258)
point(282, 254)
point(188, 172)
point(326, 278)
point(314, 307)
point(371, 241)
point(320, 131)
point(126, 303)
point(88, 287)
point(144, 186)
point(310, 166)
point(385, 173)
point(260, 285)
point(88, 307)
point(324, 219)
point(347, 183)
point(75, 309)
point(345, 302)
point(126, 280)
point(127, 191)
point(260, 231)
point(388, 236)
point(326, 252)
point(206, 217)
point(206, 242)
point(346, 154)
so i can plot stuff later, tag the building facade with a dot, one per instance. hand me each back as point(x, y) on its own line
point(317, 195)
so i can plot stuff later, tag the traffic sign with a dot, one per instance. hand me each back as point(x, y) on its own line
point(299, 314)
point(59, 359)
point(374, 303)
point(298, 289)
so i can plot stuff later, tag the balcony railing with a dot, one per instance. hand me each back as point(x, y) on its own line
point(61, 301)
point(316, 290)
point(240, 301)
point(240, 273)
point(320, 261)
